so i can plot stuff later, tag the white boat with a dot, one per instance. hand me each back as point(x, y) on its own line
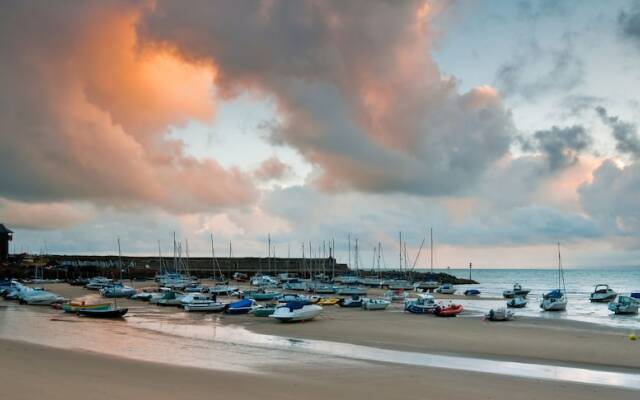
point(556, 300)
point(40, 297)
point(117, 290)
point(98, 283)
point(264, 281)
point(500, 314)
point(375, 304)
point(517, 302)
point(427, 285)
point(372, 282)
point(296, 311)
point(517, 291)
point(423, 304)
point(173, 280)
point(205, 306)
point(446, 288)
point(193, 298)
point(624, 305)
point(602, 294)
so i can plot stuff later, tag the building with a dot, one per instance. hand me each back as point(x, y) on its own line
point(5, 236)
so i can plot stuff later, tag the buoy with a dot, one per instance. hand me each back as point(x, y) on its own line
point(633, 336)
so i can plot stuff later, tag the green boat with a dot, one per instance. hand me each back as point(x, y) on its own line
point(261, 295)
point(265, 311)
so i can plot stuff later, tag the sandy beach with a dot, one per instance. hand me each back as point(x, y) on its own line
point(31, 370)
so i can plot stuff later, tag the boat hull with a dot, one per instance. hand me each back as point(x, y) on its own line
point(110, 313)
point(306, 313)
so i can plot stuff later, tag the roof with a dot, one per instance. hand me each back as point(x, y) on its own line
point(3, 229)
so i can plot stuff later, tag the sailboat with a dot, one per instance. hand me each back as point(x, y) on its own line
point(429, 285)
point(556, 300)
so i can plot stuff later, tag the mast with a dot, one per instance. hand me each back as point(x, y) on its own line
point(357, 259)
point(400, 252)
point(213, 258)
point(349, 241)
point(186, 242)
point(160, 257)
point(431, 234)
point(269, 256)
point(175, 254)
point(119, 259)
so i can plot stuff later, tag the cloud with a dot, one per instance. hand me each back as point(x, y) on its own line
point(538, 70)
point(629, 23)
point(561, 146)
point(360, 97)
point(43, 216)
point(86, 108)
point(272, 169)
point(625, 133)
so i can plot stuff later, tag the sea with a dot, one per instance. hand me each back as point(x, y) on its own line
point(580, 283)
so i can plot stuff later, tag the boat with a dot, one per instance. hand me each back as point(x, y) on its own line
point(240, 277)
point(517, 302)
point(261, 294)
point(295, 284)
point(517, 291)
point(193, 298)
point(222, 290)
point(40, 298)
point(500, 314)
point(446, 288)
point(195, 288)
point(285, 298)
point(296, 311)
point(205, 306)
point(243, 306)
point(635, 295)
point(602, 294)
point(399, 284)
point(375, 304)
point(372, 282)
point(74, 306)
point(624, 305)
point(556, 299)
point(450, 310)
point(396, 295)
point(320, 288)
point(351, 291)
point(328, 301)
point(144, 296)
point(423, 304)
point(351, 302)
point(117, 290)
point(472, 292)
point(347, 279)
point(98, 283)
point(169, 298)
point(265, 310)
point(264, 281)
point(111, 312)
point(427, 286)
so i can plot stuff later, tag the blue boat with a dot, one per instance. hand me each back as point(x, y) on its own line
point(471, 292)
point(243, 306)
point(635, 295)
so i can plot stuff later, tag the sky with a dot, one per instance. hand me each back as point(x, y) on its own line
point(504, 126)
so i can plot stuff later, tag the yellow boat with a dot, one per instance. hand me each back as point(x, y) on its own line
point(328, 301)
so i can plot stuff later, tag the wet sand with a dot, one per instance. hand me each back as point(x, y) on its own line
point(31, 371)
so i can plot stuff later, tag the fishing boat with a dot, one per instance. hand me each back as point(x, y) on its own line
point(450, 310)
point(624, 305)
point(472, 292)
point(446, 288)
point(351, 302)
point(328, 301)
point(243, 306)
point(375, 304)
point(265, 310)
point(117, 290)
point(556, 299)
point(517, 302)
point(500, 314)
point(423, 304)
point(396, 295)
point(74, 306)
point(602, 294)
point(296, 311)
point(351, 291)
point(261, 294)
point(111, 312)
point(517, 291)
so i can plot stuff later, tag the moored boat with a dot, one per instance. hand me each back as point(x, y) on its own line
point(243, 306)
point(472, 292)
point(351, 302)
point(517, 302)
point(450, 310)
point(296, 311)
point(265, 310)
point(74, 306)
point(205, 306)
point(517, 291)
point(624, 305)
point(556, 300)
point(110, 312)
point(602, 294)
point(351, 291)
point(446, 288)
point(328, 301)
point(499, 314)
point(423, 304)
point(261, 294)
point(375, 304)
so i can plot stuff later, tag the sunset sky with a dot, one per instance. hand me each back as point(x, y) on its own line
point(507, 126)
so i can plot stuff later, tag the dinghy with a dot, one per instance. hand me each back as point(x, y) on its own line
point(500, 314)
point(624, 305)
point(446, 288)
point(375, 304)
point(243, 306)
point(450, 310)
point(424, 304)
point(351, 302)
point(517, 291)
point(106, 313)
point(602, 294)
point(296, 311)
point(517, 302)
point(472, 292)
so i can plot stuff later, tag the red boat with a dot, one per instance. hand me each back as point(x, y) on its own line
point(449, 311)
